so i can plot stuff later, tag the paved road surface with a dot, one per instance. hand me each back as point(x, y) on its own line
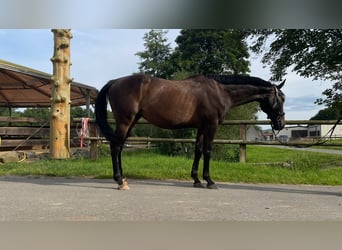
point(78, 199)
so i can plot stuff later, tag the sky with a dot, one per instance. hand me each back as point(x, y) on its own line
point(99, 55)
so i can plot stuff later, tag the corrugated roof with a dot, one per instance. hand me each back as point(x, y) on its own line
point(21, 86)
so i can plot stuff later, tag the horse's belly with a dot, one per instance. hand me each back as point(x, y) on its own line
point(169, 119)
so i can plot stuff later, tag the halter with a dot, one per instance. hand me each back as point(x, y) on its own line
point(276, 103)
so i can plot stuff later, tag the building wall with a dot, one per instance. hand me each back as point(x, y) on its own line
point(293, 132)
point(296, 132)
point(336, 133)
point(323, 130)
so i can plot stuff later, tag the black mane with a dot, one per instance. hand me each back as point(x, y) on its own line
point(240, 79)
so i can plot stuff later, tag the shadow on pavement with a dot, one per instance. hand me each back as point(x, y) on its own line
point(134, 184)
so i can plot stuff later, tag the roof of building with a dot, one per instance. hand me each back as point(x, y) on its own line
point(21, 86)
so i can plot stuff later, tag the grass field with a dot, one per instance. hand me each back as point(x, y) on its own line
point(264, 165)
point(331, 147)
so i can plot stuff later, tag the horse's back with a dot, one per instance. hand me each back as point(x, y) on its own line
point(164, 103)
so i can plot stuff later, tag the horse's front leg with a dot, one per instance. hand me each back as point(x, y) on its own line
point(207, 146)
point(198, 154)
point(206, 173)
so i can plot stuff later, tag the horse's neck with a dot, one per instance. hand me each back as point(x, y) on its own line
point(242, 94)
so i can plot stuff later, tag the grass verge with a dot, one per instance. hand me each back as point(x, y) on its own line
point(264, 165)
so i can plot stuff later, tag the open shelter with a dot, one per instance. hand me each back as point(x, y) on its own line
point(23, 87)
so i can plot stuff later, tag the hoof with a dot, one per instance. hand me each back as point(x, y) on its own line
point(198, 185)
point(212, 186)
point(124, 185)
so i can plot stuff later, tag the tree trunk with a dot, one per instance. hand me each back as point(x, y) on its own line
point(60, 96)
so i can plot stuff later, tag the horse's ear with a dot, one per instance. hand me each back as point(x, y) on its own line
point(281, 84)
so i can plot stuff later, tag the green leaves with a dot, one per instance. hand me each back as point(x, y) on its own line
point(199, 51)
point(212, 52)
point(312, 53)
point(155, 59)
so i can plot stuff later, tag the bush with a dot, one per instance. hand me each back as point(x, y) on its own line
point(104, 150)
point(227, 153)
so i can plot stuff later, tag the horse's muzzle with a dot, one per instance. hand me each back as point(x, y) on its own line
point(278, 123)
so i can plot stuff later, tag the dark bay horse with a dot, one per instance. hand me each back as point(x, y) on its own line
point(200, 102)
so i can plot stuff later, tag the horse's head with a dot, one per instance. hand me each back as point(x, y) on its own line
point(273, 104)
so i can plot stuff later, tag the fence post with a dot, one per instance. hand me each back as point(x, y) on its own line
point(243, 148)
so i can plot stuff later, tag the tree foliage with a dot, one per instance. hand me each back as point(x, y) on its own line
point(5, 111)
point(330, 113)
point(44, 113)
point(155, 59)
point(206, 51)
point(311, 52)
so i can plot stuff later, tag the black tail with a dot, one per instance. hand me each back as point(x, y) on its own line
point(101, 112)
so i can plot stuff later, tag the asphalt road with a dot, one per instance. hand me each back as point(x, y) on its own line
point(80, 199)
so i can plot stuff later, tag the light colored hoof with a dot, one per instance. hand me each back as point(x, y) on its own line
point(124, 185)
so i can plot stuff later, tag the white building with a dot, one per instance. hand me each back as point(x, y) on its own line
point(288, 133)
point(324, 130)
point(298, 132)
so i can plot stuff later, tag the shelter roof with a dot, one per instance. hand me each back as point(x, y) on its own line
point(26, 87)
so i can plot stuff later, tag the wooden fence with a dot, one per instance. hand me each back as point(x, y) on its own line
point(34, 133)
point(242, 141)
point(31, 133)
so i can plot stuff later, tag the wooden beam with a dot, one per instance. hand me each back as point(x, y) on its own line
point(24, 131)
point(21, 119)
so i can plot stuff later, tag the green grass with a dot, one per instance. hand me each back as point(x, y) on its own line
point(331, 147)
point(299, 160)
point(264, 165)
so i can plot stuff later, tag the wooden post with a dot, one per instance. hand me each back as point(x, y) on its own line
point(243, 148)
point(88, 102)
point(60, 96)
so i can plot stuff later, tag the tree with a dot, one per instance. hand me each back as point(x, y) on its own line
point(330, 113)
point(79, 112)
point(37, 113)
point(45, 113)
point(155, 59)
point(7, 111)
point(312, 53)
point(206, 51)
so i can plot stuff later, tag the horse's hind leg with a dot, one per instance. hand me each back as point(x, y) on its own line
point(116, 146)
point(115, 149)
point(121, 133)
